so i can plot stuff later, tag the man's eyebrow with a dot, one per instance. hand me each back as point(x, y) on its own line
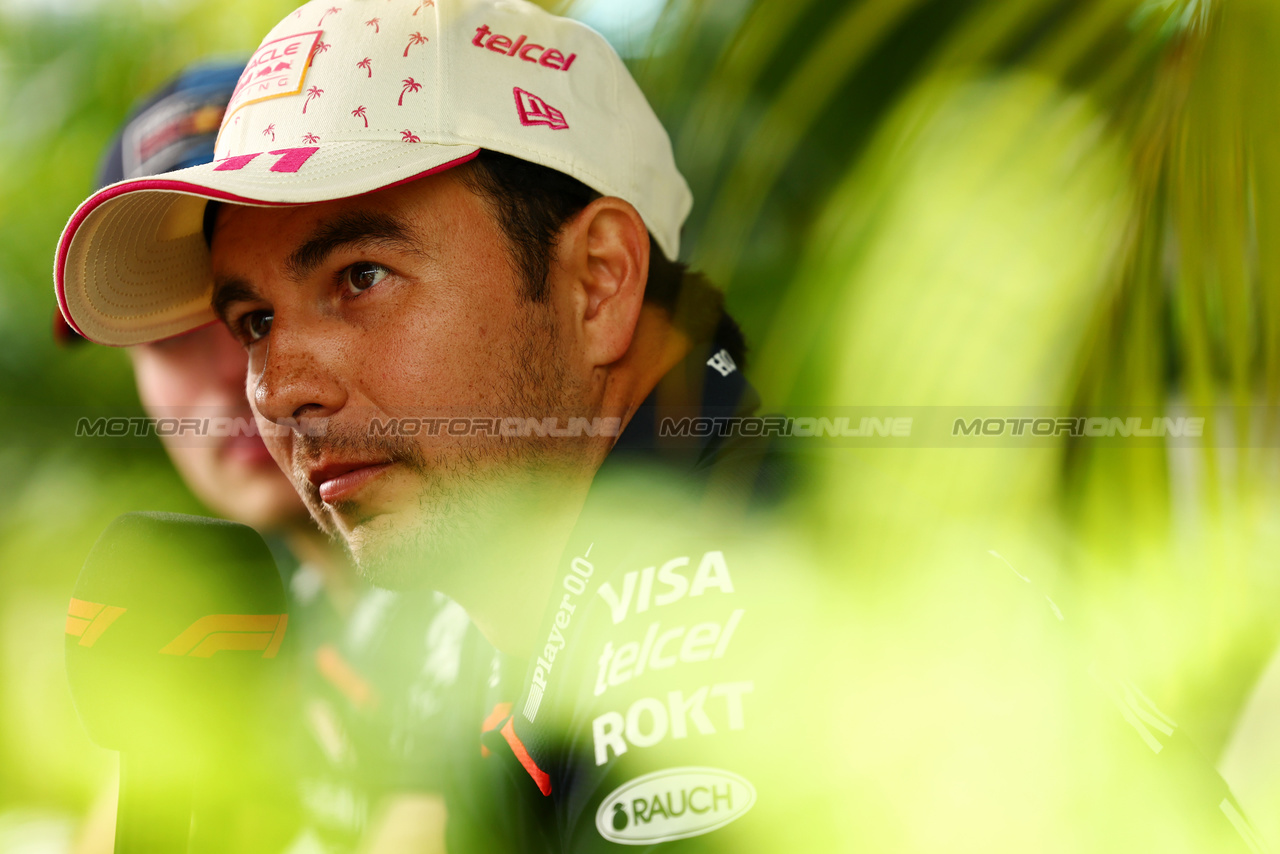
point(228, 290)
point(362, 228)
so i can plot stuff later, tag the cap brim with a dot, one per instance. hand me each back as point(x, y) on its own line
point(132, 265)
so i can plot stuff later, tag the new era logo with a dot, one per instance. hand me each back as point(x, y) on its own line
point(535, 111)
point(723, 363)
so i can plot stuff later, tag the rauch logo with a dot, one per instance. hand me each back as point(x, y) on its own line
point(674, 803)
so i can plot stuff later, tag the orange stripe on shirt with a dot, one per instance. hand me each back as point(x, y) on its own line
point(542, 778)
point(341, 675)
point(496, 717)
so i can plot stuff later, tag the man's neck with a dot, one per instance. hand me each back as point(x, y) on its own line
point(507, 593)
point(657, 347)
point(522, 570)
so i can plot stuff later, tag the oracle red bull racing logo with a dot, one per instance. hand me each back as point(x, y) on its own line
point(278, 68)
point(674, 803)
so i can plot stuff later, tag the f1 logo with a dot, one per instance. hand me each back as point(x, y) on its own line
point(218, 632)
point(88, 620)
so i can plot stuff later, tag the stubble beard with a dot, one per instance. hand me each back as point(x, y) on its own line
point(475, 492)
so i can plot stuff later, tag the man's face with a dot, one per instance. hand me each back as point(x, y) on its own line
point(397, 304)
point(200, 375)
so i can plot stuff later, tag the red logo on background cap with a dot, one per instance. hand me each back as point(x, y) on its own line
point(535, 111)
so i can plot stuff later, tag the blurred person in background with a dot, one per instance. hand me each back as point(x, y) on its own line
point(369, 662)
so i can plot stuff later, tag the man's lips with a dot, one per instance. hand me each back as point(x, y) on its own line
point(338, 481)
point(247, 450)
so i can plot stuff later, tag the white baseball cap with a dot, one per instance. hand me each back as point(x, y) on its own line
point(345, 97)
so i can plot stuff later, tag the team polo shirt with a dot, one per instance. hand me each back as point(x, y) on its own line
point(372, 698)
point(693, 688)
point(633, 721)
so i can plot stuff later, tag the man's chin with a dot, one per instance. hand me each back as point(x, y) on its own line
point(401, 553)
point(392, 572)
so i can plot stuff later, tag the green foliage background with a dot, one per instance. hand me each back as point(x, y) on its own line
point(917, 203)
point(66, 82)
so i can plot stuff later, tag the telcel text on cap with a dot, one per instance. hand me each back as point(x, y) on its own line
point(345, 99)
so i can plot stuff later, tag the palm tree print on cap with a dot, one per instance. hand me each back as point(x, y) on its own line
point(332, 10)
point(310, 138)
point(409, 136)
point(373, 22)
point(423, 5)
point(358, 112)
point(270, 130)
point(313, 92)
point(366, 64)
point(414, 38)
point(410, 85)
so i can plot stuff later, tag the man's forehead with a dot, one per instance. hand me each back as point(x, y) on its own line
point(413, 204)
point(298, 237)
point(414, 218)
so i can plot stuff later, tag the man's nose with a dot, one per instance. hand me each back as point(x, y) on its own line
point(291, 376)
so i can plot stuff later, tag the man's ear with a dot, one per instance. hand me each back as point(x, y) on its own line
point(603, 254)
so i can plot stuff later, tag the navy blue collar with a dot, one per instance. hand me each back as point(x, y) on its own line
point(706, 384)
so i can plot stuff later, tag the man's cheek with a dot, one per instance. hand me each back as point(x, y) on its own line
point(199, 466)
point(278, 439)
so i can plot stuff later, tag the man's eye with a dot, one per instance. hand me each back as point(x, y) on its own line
point(358, 278)
point(256, 324)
